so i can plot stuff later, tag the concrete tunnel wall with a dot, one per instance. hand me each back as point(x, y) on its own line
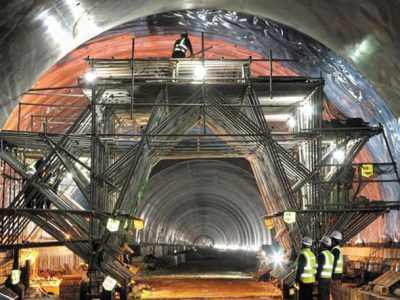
point(204, 197)
point(28, 47)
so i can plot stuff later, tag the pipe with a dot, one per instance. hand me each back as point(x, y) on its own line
point(381, 289)
point(397, 292)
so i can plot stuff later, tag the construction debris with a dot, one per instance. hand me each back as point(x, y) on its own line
point(70, 286)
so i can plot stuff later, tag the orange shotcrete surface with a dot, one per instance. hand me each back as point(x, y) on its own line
point(72, 66)
point(67, 71)
point(210, 289)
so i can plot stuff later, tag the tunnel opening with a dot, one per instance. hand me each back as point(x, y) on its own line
point(204, 241)
point(212, 208)
point(202, 198)
point(262, 126)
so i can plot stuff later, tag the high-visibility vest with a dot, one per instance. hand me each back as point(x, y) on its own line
point(31, 169)
point(181, 46)
point(339, 262)
point(308, 275)
point(327, 268)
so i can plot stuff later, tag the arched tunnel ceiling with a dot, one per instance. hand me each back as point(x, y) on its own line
point(346, 88)
point(366, 28)
point(364, 32)
point(117, 43)
point(196, 198)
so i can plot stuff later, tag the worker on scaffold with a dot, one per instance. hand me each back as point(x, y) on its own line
point(181, 46)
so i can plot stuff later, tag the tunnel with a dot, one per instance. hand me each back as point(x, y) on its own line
point(195, 199)
point(146, 171)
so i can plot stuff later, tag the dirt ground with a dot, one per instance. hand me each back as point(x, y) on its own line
point(209, 274)
point(191, 288)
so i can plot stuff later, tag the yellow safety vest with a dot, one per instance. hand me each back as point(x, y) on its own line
point(31, 169)
point(308, 275)
point(339, 263)
point(181, 46)
point(327, 268)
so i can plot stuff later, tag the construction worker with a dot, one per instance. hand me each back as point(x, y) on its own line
point(181, 46)
point(306, 267)
point(325, 268)
point(337, 252)
point(30, 193)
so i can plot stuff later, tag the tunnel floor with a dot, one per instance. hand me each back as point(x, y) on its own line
point(209, 274)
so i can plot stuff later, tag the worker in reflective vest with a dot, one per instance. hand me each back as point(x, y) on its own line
point(181, 46)
point(306, 268)
point(31, 195)
point(325, 268)
point(337, 252)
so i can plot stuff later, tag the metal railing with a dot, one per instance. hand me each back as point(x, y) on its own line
point(174, 70)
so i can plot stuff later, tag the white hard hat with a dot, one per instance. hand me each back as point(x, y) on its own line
point(326, 240)
point(307, 241)
point(336, 235)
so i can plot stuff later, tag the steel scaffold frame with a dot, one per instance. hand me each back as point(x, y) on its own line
point(299, 180)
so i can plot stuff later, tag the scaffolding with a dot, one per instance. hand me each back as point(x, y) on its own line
point(140, 111)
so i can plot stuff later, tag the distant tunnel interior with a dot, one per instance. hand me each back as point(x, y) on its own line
point(204, 197)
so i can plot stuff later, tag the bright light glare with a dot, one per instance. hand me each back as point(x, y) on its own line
point(281, 99)
point(90, 77)
point(277, 117)
point(339, 156)
point(278, 258)
point(364, 49)
point(199, 72)
point(69, 175)
point(237, 247)
point(291, 122)
point(84, 26)
point(57, 32)
point(307, 109)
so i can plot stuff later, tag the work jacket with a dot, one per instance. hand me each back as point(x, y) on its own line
point(337, 252)
point(182, 45)
point(325, 265)
point(306, 266)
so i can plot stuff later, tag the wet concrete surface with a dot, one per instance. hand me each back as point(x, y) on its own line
point(210, 289)
point(210, 274)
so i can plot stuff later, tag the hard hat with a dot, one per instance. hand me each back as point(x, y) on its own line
point(184, 34)
point(336, 235)
point(306, 241)
point(326, 240)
